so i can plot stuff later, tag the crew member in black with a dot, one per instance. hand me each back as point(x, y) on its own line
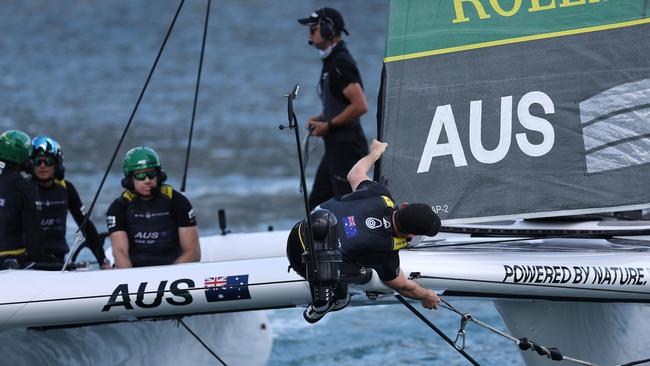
point(371, 232)
point(20, 230)
point(58, 197)
point(343, 103)
point(151, 224)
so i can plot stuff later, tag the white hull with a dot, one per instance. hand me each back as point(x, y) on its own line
point(542, 288)
point(605, 333)
point(237, 338)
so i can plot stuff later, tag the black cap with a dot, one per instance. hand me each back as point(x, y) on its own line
point(323, 13)
point(417, 219)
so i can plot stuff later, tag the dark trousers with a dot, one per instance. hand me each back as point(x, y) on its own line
point(295, 248)
point(331, 176)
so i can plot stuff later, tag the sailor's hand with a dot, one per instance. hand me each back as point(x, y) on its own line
point(377, 148)
point(318, 118)
point(318, 128)
point(431, 300)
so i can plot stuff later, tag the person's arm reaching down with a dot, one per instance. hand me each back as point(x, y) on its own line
point(413, 290)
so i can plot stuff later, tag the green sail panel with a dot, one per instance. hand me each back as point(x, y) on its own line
point(419, 28)
point(549, 116)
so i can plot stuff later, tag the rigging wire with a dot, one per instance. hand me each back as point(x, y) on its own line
point(78, 241)
point(432, 326)
point(196, 95)
point(126, 128)
point(523, 343)
point(181, 322)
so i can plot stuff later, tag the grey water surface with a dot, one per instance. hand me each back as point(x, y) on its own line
point(73, 69)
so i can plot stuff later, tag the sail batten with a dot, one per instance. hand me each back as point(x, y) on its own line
point(529, 114)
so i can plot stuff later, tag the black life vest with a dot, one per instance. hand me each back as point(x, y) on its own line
point(333, 101)
point(54, 214)
point(365, 224)
point(11, 205)
point(151, 229)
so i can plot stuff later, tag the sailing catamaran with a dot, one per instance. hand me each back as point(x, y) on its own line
point(542, 105)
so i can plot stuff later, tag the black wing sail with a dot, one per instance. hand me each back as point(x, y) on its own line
point(531, 111)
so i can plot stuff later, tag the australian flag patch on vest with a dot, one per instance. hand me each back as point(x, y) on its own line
point(350, 227)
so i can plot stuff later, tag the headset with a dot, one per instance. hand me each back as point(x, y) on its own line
point(59, 172)
point(326, 28)
point(127, 182)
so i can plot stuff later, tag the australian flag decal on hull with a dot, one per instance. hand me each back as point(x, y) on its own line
point(224, 288)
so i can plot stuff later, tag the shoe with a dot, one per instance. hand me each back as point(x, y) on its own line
point(341, 303)
point(312, 315)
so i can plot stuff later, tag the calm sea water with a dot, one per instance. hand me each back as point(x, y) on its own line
point(73, 69)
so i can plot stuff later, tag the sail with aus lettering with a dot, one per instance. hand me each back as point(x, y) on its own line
point(517, 109)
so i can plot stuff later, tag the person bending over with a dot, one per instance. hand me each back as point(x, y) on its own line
point(371, 231)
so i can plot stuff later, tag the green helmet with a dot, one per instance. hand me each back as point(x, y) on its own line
point(140, 158)
point(15, 146)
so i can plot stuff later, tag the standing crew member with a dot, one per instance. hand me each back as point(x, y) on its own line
point(343, 103)
point(371, 231)
point(58, 197)
point(151, 224)
point(20, 229)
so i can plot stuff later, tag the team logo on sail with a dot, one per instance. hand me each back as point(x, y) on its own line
point(445, 122)
point(615, 127)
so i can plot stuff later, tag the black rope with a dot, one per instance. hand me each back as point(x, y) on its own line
point(305, 149)
point(196, 94)
point(135, 109)
point(647, 360)
point(432, 326)
point(543, 233)
point(199, 339)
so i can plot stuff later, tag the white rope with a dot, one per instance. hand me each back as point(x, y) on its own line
point(78, 239)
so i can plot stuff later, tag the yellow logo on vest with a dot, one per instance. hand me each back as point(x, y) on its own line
point(399, 243)
point(388, 201)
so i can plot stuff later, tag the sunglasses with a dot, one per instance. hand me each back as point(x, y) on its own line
point(46, 161)
point(141, 176)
